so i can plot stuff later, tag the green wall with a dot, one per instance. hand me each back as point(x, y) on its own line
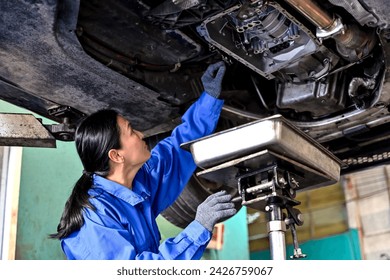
point(47, 178)
point(236, 243)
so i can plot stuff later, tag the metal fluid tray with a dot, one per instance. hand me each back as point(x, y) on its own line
point(260, 143)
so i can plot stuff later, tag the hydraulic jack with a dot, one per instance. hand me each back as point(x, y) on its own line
point(275, 195)
point(268, 161)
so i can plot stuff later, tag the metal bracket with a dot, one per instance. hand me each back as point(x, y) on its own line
point(65, 130)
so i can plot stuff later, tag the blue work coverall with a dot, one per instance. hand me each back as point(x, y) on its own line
point(123, 225)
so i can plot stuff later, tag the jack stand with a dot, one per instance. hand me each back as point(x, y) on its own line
point(277, 191)
point(268, 161)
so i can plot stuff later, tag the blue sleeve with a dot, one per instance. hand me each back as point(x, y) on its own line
point(170, 167)
point(187, 245)
point(100, 242)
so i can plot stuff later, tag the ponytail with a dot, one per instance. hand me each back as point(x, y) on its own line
point(72, 216)
point(96, 135)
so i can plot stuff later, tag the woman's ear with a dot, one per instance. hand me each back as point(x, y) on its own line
point(115, 156)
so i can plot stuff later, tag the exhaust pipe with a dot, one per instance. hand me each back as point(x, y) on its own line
point(352, 42)
point(320, 18)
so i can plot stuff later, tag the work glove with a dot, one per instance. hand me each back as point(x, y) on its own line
point(214, 209)
point(212, 78)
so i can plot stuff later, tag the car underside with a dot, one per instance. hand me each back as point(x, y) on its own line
point(322, 65)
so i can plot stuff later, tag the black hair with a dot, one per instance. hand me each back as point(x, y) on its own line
point(95, 136)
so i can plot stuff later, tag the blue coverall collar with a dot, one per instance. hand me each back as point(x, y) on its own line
point(133, 197)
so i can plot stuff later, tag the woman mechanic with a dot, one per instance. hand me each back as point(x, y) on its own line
point(111, 212)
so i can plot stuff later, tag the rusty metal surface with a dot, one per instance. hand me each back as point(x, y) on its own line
point(24, 130)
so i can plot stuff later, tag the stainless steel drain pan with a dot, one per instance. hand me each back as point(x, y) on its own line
point(275, 134)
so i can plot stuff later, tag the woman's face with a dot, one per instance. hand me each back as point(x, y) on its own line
point(133, 148)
